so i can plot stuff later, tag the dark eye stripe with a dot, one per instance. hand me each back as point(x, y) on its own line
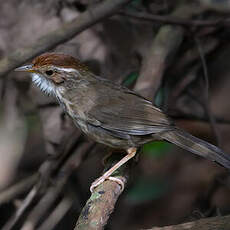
point(49, 72)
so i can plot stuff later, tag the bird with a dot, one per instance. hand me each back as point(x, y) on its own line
point(110, 113)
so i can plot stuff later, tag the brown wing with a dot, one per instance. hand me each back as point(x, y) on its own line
point(123, 111)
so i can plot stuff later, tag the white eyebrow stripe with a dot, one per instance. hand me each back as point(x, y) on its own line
point(69, 70)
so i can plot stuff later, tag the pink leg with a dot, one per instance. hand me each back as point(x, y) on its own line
point(107, 174)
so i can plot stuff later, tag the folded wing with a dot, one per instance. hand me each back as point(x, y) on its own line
point(124, 112)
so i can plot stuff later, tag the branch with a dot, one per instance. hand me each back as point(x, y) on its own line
point(190, 56)
point(60, 180)
point(163, 47)
point(173, 20)
point(63, 34)
point(206, 103)
point(214, 223)
point(95, 214)
point(42, 183)
point(20, 211)
point(16, 189)
point(57, 214)
point(98, 208)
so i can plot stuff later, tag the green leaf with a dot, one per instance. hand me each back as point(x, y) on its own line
point(159, 98)
point(130, 79)
point(136, 3)
point(33, 122)
point(146, 190)
point(156, 148)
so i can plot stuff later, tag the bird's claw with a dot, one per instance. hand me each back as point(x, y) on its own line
point(101, 179)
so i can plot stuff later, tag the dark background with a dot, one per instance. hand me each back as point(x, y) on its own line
point(167, 185)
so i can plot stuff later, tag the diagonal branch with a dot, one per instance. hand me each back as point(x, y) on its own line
point(214, 223)
point(164, 46)
point(63, 34)
point(61, 179)
point(100, 205)
point(16, 189)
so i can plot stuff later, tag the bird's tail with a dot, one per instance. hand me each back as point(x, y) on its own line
point(197, 146)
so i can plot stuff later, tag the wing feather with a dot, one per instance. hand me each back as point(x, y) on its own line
point(125, 112)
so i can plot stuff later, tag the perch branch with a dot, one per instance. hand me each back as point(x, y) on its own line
point(95, 214)
point(63, 34)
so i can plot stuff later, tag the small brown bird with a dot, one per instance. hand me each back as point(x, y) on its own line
point(110, 113)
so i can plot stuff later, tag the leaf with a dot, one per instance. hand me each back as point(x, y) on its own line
point(136, 3)
point(130, 79)
point(159, 98)
point(156, 148)
point(33, 122)
point(146, 190)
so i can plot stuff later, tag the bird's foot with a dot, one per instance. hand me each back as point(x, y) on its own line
point(101, 179)
point(107, 174)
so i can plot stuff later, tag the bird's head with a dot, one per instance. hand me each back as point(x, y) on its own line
point(50, 71)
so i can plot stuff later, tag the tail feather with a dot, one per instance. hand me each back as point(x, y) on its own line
point(197, 146)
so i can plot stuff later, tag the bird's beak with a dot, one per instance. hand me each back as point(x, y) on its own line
point(26, 68)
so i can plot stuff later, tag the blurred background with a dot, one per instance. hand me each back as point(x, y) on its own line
point(167, 185)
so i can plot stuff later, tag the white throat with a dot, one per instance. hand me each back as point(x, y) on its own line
point(50, 88)
point(43, 84)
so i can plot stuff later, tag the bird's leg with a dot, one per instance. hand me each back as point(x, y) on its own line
point(107, 175)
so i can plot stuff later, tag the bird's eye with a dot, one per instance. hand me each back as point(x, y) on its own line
point(49, 72)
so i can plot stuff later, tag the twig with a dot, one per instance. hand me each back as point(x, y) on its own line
point(63, 34)
point(192, 55)
point(60, 180)
point(13, 191)
point(61, 209)
point(214, 223)
point(101, 204)
point(25, 204)
point(173, 20)
point(184, 83)
point(206, 103)
point(45, 170)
